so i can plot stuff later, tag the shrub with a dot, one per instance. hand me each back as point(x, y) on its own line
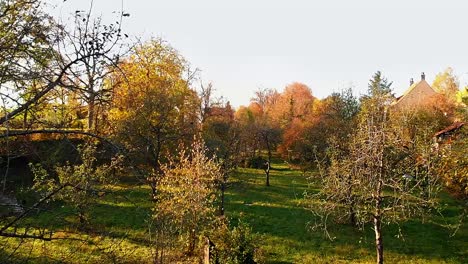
point(256, 162)
point(236, 246)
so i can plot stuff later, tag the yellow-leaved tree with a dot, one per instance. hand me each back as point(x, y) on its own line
point(186, 200)
point(153, 107)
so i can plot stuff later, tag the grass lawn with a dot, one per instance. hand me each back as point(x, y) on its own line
point(276, 214)
point(120, 225)
point(118, 232)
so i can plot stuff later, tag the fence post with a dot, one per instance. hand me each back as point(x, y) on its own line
point(206, 252)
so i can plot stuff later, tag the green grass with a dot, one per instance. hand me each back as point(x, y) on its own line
point(276, 213)
point(117, 232)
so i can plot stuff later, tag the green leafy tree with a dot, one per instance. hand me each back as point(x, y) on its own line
point(81, 184)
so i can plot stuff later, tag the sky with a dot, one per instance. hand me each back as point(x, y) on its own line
point(244, 45)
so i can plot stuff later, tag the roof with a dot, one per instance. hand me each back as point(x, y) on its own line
point(416, 94)
point(453, 127)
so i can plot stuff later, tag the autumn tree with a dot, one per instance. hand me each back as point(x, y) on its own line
point(89, 39)
point(250, 119)
point(153, 107)
point(384, 178)
point(268, 132)
point(447, 83)
point(453, 164)
point(221, 133)
point(332, 122)
point(35, 49)
point(186, 196)
point(258, 131)
point(293, 103)
point(26, 54)
point(290, 111)
point(462, 96)
point(266, 98)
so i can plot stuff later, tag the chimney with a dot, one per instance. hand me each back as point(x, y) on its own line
point(411, 81)
point(423, 76)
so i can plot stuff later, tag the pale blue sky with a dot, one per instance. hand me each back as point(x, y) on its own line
point(245, 44)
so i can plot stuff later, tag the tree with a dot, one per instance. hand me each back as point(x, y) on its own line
point(26, 54)
point(222, 136)
point(247, 118)
point(186, 196)
point(384, 178)
point(462, 100)
point(153, 108)
point(78, 185)
point(331, 123)
point(82, 184)
point(293, 103)
point(258, 131)
point(38, 58)
point(89, 39)
point(447, 101)
point(36, 49)
point(446, 83)
point(453, 164)
point(288, 112)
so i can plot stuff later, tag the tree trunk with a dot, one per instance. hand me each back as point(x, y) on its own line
point(352, 204)
point(267, 172)
point(223, 188)
point(378, 217)
point(90, 112)
point(378, 239)
point(206, 251)
point(192, 242)
point(352, 214)
point(379, 199)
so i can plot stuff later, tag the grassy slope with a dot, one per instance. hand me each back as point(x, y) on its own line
point(120, 218)
point(276, 213)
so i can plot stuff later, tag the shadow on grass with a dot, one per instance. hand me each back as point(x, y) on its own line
point(122, 214)
point(276, 214)
point(14, 257)
point(275, 168)
point(289, 226)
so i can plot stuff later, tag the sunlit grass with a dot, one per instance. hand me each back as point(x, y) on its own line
point(277, 214)
point(119, 225)
point(117, 232)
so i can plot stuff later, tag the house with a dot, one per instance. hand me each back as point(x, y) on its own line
point(418, 94)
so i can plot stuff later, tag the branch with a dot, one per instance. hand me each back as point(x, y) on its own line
point(47, 89)
point(47, 197)
point(22, 236)
point(59, 131)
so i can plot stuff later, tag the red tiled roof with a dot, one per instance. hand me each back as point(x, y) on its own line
point(452, 127)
